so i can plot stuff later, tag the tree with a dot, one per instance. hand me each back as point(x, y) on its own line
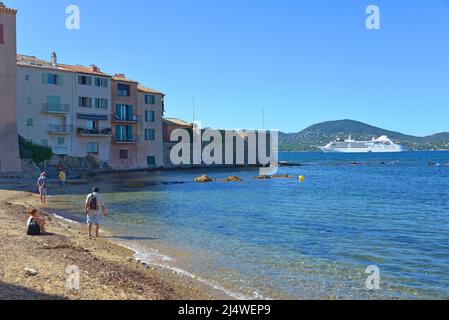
point(30, 150)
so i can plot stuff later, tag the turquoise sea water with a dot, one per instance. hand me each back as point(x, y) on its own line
point(279, 238)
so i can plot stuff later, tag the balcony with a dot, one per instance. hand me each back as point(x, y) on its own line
point(84, 132)
point(56, 108)
point(59, 129)
point(126, 140)
point(60, 150)
point(124, 118)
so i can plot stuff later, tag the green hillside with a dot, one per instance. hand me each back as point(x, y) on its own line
point(322, 133)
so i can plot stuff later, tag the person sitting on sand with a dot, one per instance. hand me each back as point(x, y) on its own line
point(42, 186)
point(95, 210)
point(35, 224)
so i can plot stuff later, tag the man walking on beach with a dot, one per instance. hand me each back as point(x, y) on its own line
point(95, 210)
point(42, 186)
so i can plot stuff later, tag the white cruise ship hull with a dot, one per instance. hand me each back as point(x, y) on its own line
point(359, 150)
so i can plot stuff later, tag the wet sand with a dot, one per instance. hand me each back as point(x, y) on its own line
point(107, 270)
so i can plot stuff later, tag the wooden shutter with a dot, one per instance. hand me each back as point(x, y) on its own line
point(2, 37)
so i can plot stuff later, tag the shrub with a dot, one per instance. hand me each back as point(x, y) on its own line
point(30, 150)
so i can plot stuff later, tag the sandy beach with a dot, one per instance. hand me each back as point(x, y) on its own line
point(107, 270)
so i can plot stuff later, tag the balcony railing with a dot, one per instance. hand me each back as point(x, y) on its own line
point(60, 150)
point(57, 128)
point(124, 118)
point(94, 132)
point(56, 108)
point(131, 139)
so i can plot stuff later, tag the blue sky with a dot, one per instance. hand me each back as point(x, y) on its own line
point(302, 61)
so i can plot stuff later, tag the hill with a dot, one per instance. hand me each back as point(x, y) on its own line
point(322, 133)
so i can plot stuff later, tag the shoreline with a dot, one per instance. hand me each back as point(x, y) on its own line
point(108, 270)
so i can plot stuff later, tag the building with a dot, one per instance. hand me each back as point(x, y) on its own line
point(171, 124)
point(75, 110)
point(45, 103)
point(9, 147)
point(150, 144)
point(125, 120)
point(91, 112)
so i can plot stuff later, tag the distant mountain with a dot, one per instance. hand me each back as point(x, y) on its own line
point(322, 133)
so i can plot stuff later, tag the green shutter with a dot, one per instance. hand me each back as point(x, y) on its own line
point(60, 80)
point(44, 78)
point(153, 100)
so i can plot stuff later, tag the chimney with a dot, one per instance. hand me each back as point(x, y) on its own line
point(54, 59)
point(94, 68)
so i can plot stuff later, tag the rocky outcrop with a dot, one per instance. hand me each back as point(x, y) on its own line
point(233, 179)
point(203, 178)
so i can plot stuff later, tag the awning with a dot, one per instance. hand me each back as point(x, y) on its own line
point(92, 116)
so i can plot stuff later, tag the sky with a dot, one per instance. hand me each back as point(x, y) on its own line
point(297, 62)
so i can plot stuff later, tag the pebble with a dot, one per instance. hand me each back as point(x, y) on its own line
point(30, 272)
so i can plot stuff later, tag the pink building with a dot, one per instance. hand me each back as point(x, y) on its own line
point(9, 147)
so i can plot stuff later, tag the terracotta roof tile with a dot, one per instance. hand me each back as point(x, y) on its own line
point(148, 90)
point(176, 121)
point(82, 69)
point(4, 9)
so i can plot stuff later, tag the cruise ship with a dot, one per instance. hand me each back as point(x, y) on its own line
point(381, 144)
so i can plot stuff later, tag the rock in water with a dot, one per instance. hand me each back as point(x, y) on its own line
point(263, 177)
point(203, 178)
point(233, 179)
point(30, 272)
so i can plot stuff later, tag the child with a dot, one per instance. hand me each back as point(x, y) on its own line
point(35, 224)
point(62, 180)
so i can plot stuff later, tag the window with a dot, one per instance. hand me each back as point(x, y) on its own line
point(149, 116)
point(150, 134)
point(29, 122)
point(29, 100)
point(85, 102)
point(123, 90)
point(93, 148)
point(27, 77)
point(51, 78)
point(149, 99)
point(123, 154)
point(124, 133)
point(101, 103)
point(61, 141)
point(124, 112)
point(101, 82)
point(2, 39)
point(151, 161)
point(85, 80)
point(92, 125)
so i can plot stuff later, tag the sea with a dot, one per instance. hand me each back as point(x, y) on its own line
point(360, 226)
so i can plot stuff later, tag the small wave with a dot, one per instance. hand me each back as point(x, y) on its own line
point(65, 219)
point(151, 257)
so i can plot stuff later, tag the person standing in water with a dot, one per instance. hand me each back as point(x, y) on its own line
point(62, 178)
point(95, 211)
point(42, 186)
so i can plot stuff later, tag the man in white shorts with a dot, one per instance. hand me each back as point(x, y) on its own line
point(95, 210)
